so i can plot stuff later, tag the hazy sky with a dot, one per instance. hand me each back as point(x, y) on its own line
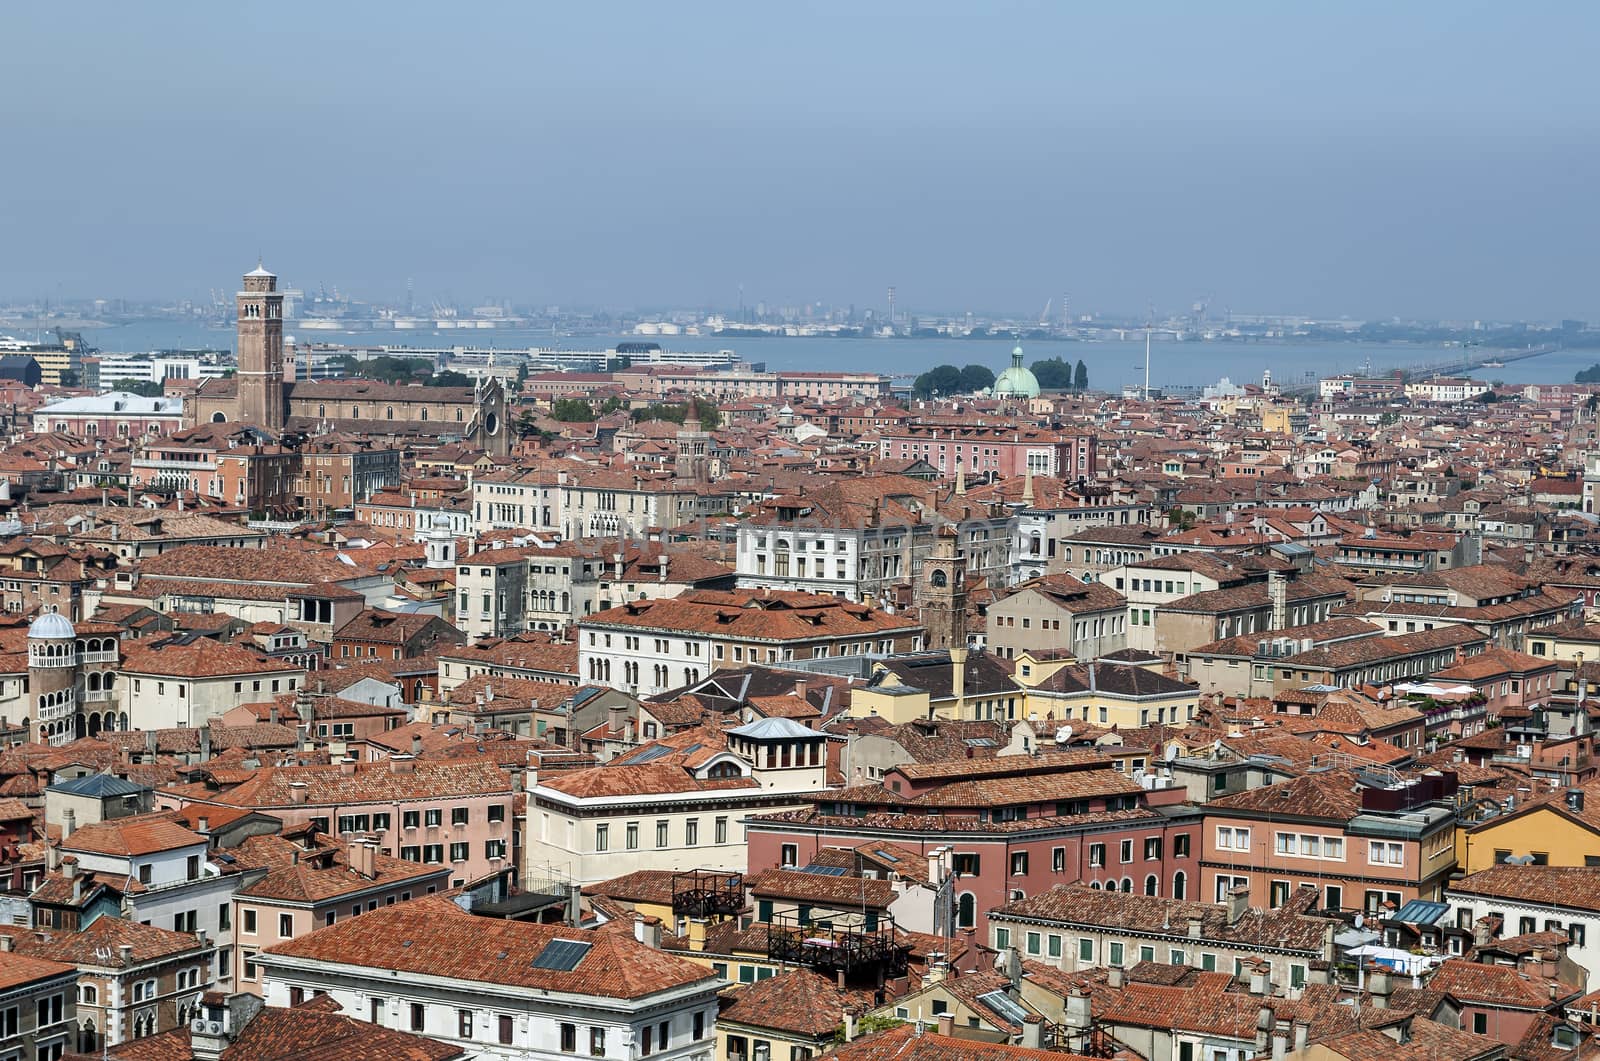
point(1434, 159)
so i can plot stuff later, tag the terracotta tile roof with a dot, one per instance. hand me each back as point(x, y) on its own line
point(142, 834)
point(906, 1043)
point(1575, 887)
point(201, 658)
point(503, 693)
point(653, 886)
point(1289, 926)
point(325, 874)
point(1327, 795)
point(20, 969)
point(754, 616)
point(856, 892)
point(637, 780)
point(277, 563)
point(305, 1033)
point(269, 787)
point(434, 937)
point(799, 1002)
point(99, 945)
point(1498, 985)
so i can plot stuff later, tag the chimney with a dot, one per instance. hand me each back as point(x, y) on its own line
point(1266, 1020)
point(1259, 983)
point(416, 744)
point(297, 792)
point(1278, 595)
point(1280, 1045)
point(697, 934)
point(125, 954)
point(1196, 927)
point(1114, 976)
point(1032, 1031)
point(936, 866)
point(1482, 932)
point(347, 766)
point(800, 688)
point(849, 1015)
point(647, 930)
point(1077, 1014)
point(69, 867)
point(1238, 903)
point(947, 1024)
point(1302, 1033)
point(272, 713)
point(203, 825)
point(7, 944)
point(69, 824)
point(205, 742)
point(402, 764)
point(1380, 985)
point(958, 675)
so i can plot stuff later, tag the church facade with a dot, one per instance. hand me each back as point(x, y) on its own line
point(265, 394)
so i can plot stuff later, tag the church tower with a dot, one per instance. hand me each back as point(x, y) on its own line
point(944, 595)
point(260, 372)
point(694, 447)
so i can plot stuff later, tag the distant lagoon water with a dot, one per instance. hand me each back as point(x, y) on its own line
point(1112, 364)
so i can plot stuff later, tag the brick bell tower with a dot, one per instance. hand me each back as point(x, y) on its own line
point(261, 351)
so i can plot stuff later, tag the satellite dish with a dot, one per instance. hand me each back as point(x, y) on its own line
point(1360, 920)
point(1172, 752)
point(1064, 734)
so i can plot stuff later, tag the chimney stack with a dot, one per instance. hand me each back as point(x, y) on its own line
point(402, 764)
point(1238, 903)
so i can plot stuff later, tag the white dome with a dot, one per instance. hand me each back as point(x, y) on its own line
point(51, 625)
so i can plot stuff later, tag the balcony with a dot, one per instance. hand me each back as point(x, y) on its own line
point(835, 948)
point(707, 893)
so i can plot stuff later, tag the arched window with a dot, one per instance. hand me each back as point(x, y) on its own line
point(88, 994)
point(937, 579)
point(1179, 885)
point(322, 411)
point(423, 413)
point(219, 418)
point(967, 911)
point(355, 412)
point(1127, 885)
point(388, 412)
point(1151, 885)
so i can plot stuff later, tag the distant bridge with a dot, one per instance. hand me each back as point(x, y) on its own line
point(1468, 362)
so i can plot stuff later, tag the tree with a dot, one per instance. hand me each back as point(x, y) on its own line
point(1588, 375)
point(975, 378)
point(145, 388)
point(1080, 376)
point(1181, 518)
point(1053, 374)
point(945, 379)
point(572, 411)
point(449, 379)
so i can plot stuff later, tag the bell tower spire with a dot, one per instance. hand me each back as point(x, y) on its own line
point(260, 351)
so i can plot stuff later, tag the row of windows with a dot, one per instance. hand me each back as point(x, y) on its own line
point(663, 834)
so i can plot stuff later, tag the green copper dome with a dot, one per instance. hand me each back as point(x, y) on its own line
point(1016, 381)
